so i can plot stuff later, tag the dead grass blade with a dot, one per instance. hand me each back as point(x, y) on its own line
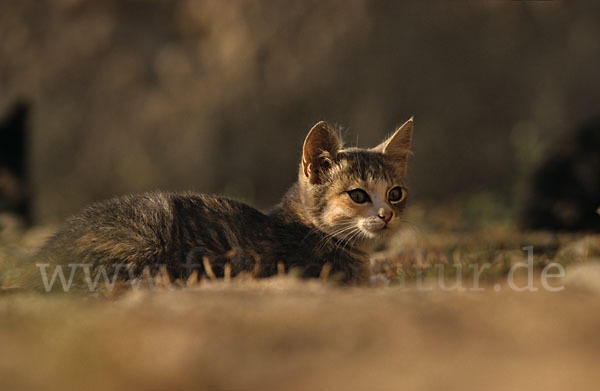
point(165, 277)
point(192, 280)
point(325, 270)
point(280, 269)
point(208, 269)
point(227, 273)
point(256, 270)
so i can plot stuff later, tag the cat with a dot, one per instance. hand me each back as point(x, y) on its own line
point(344, 204)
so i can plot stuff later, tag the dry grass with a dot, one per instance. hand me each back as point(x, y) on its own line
point(282, 333)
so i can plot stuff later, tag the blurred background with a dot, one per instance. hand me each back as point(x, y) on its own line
point(216, 96)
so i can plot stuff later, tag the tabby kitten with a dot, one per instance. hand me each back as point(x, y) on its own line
point(345, 203)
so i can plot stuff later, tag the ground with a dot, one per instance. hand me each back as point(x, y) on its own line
point(402, 331)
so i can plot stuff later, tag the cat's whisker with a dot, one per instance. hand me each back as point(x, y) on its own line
point(329, 237)
point(342, 240)
point(357, 235)
point(326, 216)
point(348, 238)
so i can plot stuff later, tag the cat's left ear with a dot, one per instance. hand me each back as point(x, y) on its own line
point(320, 148)
point(398, 144)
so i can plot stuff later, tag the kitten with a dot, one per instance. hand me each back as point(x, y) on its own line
point(345, 203)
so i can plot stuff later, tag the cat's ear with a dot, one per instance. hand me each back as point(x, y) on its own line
point(398, 144)
point(320, 148)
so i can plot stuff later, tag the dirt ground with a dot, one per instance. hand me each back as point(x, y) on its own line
point(403, 331)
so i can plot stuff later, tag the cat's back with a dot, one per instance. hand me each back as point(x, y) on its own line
point(149, 228)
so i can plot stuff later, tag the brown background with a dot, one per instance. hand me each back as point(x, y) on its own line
point(216, 96)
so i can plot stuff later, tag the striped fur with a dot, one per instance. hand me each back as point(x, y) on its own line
point(315, 224)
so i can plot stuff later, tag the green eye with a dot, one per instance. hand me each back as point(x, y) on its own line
point(396, 195)
point(359, 196)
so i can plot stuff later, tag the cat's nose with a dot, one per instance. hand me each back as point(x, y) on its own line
point(385, 215)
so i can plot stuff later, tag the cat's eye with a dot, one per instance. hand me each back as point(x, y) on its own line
point(397, 194)
point(359, 196)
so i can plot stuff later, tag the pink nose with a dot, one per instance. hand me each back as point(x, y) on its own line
point(385, 215)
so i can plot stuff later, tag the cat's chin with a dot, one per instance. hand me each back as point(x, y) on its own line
point(373, 238)
point(373, 234)
point(369, 244)
point(373, 229)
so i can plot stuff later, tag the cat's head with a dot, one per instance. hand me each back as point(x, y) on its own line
point(356, 195)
